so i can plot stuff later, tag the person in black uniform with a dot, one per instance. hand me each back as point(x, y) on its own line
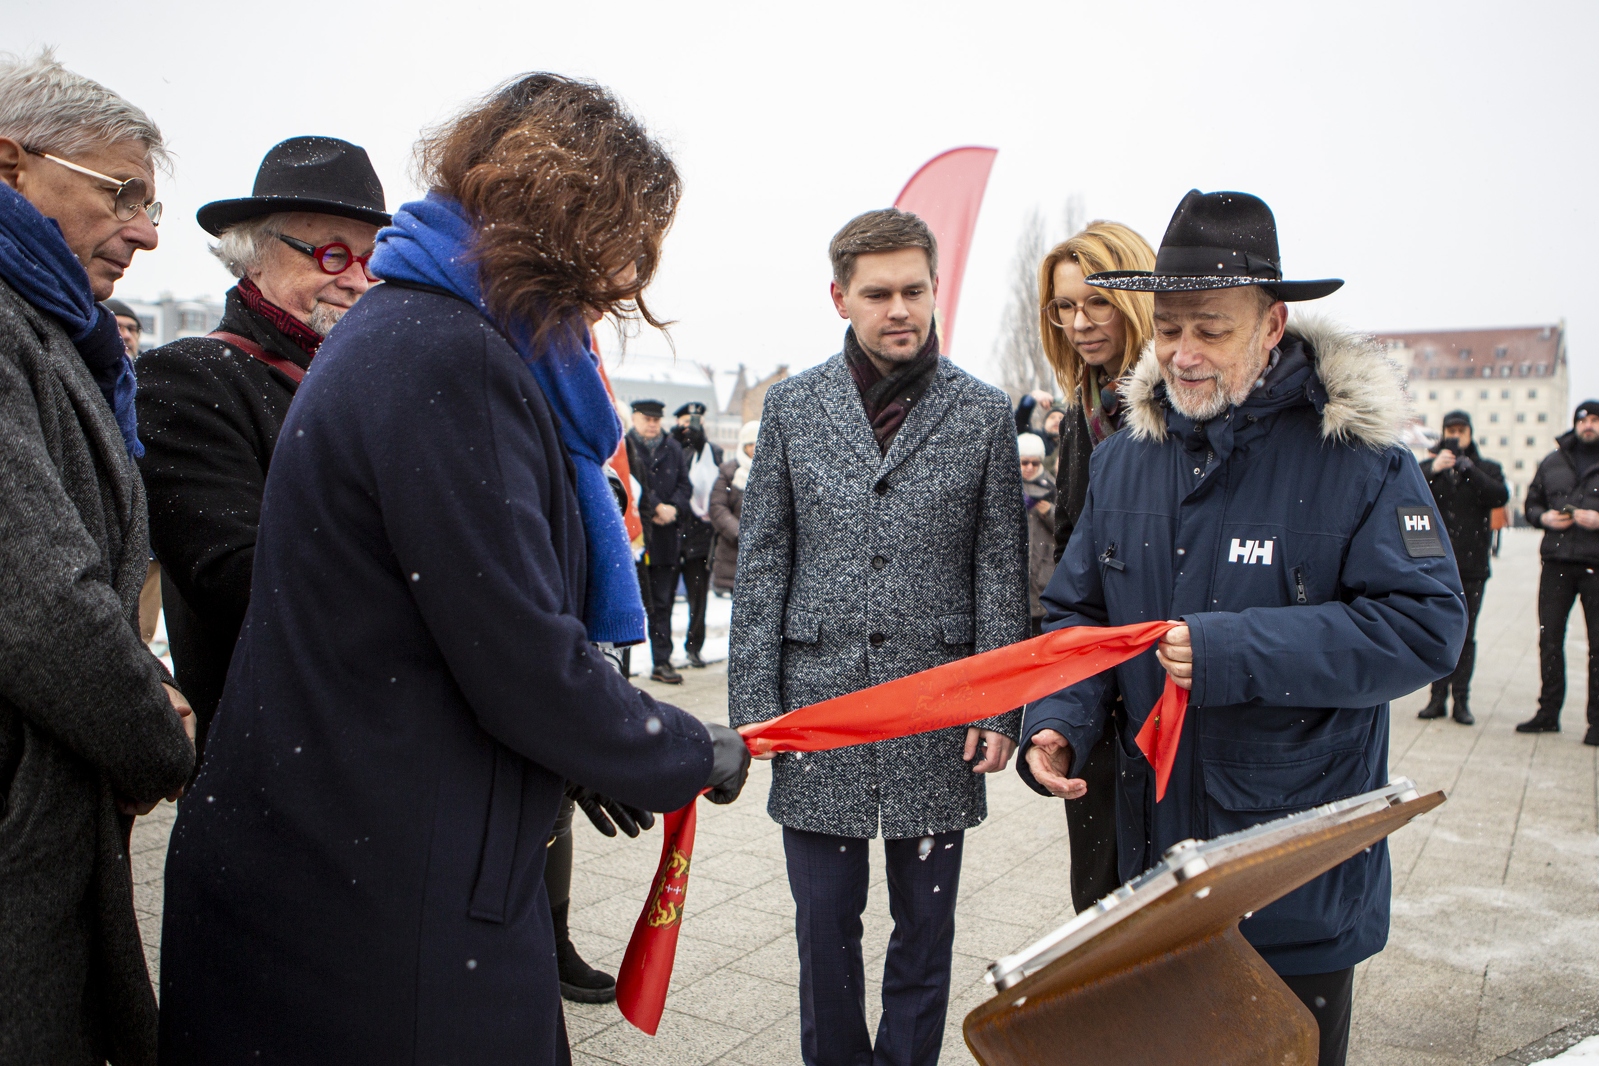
point(1467, 488)
point(659, 467)
point(704, 466)
point(1563, 500)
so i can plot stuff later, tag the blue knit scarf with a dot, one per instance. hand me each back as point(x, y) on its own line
point(430, 243)
point(35, 261)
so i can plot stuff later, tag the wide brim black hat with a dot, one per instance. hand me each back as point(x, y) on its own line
point(323, 175)
point(1217, 240)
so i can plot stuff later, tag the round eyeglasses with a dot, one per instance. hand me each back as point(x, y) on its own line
point(334, 257)
point(131, 196)
point(1097, 309)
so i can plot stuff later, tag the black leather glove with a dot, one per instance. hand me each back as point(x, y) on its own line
point(597, 807)
point(730, 763)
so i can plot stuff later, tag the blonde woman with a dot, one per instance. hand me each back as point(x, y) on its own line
point(1092, 337)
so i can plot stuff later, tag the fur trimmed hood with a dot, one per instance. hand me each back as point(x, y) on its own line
point(1367, 399)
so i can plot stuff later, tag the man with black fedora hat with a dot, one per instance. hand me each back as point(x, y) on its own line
point(1261, 497)
point(1563, 501)
point(704, 459)
point(1467, 487)
point(210, 408)
point(661, 470)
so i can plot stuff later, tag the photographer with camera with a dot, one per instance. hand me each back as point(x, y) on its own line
point(1467, 488)
point(1563, 500)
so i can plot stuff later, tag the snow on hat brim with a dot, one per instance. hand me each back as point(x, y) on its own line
point(1586, 407)
point(1030, 445)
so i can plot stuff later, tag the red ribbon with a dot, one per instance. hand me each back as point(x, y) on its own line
point(958, 693)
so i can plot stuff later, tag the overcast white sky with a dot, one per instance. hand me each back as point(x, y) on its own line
point(1439, 156)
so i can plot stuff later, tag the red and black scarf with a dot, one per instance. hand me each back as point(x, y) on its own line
point(888, 400)
point(301, 334)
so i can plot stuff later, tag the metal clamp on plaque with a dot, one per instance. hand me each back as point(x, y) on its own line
point(1158, 970)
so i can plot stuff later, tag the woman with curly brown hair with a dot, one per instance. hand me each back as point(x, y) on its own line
point(358, 874)
point(1092, 338)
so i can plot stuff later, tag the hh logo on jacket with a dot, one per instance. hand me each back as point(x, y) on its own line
point(1251, 551)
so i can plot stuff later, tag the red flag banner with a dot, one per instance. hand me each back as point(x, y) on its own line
point(652, 950)
point(957, 693)
point(947, 194)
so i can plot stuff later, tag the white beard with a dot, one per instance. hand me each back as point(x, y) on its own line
point(324, 317)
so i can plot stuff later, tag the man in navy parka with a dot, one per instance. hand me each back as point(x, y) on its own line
point(1262, 497)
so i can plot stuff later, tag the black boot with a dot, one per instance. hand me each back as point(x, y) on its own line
point(1540, 723)
point(1435, 706)
point(1463, 713)
point(694, 660)
point(580, 982)
point(1591, 738)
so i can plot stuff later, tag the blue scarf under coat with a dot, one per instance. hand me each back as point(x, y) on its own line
point(35, 261)
point(430, 243)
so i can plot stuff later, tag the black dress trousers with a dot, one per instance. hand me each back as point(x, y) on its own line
point(658, 586)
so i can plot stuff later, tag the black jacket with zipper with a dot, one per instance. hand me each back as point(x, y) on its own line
point(1467, 494)
point(1558, 484)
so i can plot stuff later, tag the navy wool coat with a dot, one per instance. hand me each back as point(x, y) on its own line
point(357, 874)
point(1299, 542)
point(856, 567)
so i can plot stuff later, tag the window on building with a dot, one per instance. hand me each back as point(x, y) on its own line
point(1432, 371)
point(1432, 394)
point(1526, 368)
point(146, 323)
point(1519, 464)
point(1543, 416)
point(1504, 442)
point(1504, 394)
point(1427, 354)
point(1532, 394)
point(1504, 371)
point(1465, 353)
point(1521, 416)
point(1494, 417)
point(1483, 395)
point(1501, 352)
point(193, 321)
point(1532, 442)
point(1451, 372)
point(1458, 394)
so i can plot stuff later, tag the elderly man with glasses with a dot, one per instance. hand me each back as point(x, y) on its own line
point(210, 407)
point(91, 731)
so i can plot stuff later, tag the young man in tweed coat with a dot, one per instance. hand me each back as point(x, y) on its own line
point(882, 534)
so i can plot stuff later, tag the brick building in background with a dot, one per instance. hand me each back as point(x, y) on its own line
point(1512, 381)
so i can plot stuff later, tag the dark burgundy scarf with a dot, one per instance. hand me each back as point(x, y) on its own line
point(889, 399)
point(301, 334)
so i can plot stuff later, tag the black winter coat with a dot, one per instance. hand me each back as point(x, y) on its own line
point(209, 416)
point(1071, 474)
point(83, 716)
point(1467, 495)
point(1556, 485)
point(663, 475)
point(357, 875)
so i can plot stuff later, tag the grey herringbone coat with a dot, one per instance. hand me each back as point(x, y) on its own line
point(856, 568)
point(83, 716)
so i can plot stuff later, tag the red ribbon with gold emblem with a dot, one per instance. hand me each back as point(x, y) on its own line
point(958, 693)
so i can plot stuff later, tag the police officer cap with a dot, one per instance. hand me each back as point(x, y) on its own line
point(693, 407)
point(652, 408)
point(1457, 418)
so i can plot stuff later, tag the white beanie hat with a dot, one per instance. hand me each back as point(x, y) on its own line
point(1030, 445)
point(749, 432)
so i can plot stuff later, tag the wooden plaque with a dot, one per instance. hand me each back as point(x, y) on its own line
point(1158, 971)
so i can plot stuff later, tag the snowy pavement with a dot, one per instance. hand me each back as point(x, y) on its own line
point(1493, 956)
